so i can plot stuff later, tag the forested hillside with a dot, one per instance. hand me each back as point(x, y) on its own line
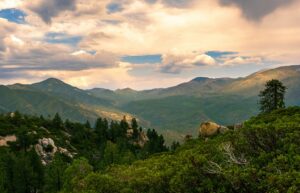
point(263, 156)
point(35, 152)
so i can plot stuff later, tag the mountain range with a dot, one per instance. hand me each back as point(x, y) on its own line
point(175, 111)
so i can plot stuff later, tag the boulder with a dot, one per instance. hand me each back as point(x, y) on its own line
point(6, 139)
point(208, 129)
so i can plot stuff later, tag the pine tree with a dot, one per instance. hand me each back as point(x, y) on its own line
point(87, 124)
point(54, 174)
point(101, 130)
point(272, 97)
point(124, 126)
point(57, 121)
point(134, 126)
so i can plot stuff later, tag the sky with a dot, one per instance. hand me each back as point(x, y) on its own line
point(144, 44)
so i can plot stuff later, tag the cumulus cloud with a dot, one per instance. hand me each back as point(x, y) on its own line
point(85, 36)
point(5, 29)
point(7, 4)
point(47, 9)
point(256, 9)
point(174, 63)
point(240, 60)
point(43, 56)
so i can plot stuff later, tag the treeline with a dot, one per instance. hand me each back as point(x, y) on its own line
point(101, 145)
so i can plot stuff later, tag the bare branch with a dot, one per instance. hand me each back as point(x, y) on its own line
point(213, 168)
point(229, 152)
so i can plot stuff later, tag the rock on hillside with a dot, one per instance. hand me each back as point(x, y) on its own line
point(4, 140)
point(46, 149)
point(208, 129)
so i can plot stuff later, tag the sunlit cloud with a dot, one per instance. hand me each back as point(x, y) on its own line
point(133, 43)
point(175, 62)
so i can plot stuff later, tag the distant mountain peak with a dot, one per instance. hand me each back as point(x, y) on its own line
point(201, 79)
point(53, 84)
point(53, 80)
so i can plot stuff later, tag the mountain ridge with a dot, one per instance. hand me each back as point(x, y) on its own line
point(178, 109)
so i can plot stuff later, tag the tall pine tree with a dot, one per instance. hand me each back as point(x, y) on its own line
point(272, 97)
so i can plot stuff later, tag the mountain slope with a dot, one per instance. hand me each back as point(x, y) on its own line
point(51, 96)
point(250, 85)
point(34, 102)
point(60, 89)
point(180, 108)
point(226, 101)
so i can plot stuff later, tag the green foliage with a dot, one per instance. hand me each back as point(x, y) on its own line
point(103, 146)
point(155, 143)
point(54, 174)
point(20, 173)
point(57, 121)
point(272, 97)
point(263, 156)
point(74, 175)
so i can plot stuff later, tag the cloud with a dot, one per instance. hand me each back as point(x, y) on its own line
point(256, 9)
point(173, 3)
point(7, 4)
point(47, 9)
point(240, 60)
point(174, 63)
point(44, 56)
point(86, 36)
point(178, 3)
point(6, 28)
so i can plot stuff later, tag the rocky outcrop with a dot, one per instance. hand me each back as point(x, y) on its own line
point(46, 149)
point(143, 139)
point(208, 129)
point(129, 133)
point(6, 139)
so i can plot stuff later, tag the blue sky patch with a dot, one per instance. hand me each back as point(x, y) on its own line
point(143, 59)
point(62, 38)
point(13, 15)
point(114, 7)
point(219, 54)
